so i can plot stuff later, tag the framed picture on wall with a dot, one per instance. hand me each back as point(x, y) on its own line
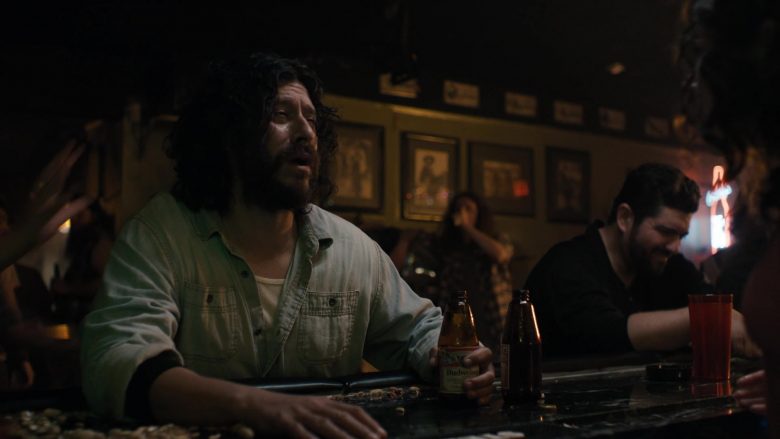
point(568, 185)
point(430, 168)
point(356, 168)
point(503, 176)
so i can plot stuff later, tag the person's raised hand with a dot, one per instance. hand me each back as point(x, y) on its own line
point(51, 202)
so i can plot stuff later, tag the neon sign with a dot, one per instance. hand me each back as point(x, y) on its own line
point(720, 223)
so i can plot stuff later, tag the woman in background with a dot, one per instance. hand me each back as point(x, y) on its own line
point(475, 257)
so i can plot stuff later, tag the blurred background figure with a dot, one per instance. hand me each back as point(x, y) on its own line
point(731, 50)
point(466, 253)
point(31, 348)
point(729, 269)
point(88, 246)
point(36, 350)
point(18, 372)
point(473, 256)
point(53, 199)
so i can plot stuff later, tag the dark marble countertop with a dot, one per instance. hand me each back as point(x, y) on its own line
point(608, 400)
point(615, 401)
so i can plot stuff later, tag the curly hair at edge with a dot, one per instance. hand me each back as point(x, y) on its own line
point(231, 113)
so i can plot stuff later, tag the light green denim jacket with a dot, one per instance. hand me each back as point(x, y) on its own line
point(172, 283)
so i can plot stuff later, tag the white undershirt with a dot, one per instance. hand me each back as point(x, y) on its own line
point(269, 291)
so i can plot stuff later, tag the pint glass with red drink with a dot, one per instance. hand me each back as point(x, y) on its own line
point(710, 316)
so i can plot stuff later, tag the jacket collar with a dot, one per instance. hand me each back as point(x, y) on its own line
point(209, 222)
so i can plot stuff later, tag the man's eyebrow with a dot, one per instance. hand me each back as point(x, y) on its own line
point(671, 230)
point(288, 100)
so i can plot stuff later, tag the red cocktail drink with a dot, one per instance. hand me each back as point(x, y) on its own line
point(710, 316)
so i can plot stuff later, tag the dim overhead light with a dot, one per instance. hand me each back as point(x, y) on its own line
point(616, 68)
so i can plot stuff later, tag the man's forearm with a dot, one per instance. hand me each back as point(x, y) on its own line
point(180, 395)
point(659, 330)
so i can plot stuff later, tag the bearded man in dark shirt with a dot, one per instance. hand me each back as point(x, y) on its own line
point(623, 285)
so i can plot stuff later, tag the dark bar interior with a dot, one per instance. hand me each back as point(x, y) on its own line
point(390, 219)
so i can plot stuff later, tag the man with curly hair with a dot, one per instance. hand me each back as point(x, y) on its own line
point(236, 275)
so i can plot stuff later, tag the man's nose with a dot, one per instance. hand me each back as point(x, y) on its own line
point(674, 245)
point(304, 132)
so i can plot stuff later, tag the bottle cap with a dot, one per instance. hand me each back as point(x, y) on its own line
point(521, 294)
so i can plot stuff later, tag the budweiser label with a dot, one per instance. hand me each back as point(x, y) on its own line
point(452, 372)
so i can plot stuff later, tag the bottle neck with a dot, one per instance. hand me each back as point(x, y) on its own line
point(521, 295)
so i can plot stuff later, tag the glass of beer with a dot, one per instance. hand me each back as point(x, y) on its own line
point(710, 316)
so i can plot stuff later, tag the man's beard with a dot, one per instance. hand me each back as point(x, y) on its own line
point(258, 172)
point(642, 258)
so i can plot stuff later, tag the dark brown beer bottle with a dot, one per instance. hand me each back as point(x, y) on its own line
point(521, 352)
point(457, 339)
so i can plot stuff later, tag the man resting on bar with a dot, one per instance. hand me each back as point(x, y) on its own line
point(623, 285)
point(234, 274)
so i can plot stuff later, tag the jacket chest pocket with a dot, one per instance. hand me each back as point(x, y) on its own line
point(326, 325)
point(208, 329)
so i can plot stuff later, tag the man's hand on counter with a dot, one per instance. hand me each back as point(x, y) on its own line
point(181, 396)
point(310, 416)
point(479, 387)
point(752, 392)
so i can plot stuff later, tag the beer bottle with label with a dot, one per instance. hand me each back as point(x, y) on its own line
point(458, 338)
point(521, 352)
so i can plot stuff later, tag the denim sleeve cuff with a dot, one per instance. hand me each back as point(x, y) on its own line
point(137, 397)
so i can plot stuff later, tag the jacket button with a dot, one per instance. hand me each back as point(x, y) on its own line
point(332, 301)
point(244, 274)
point(257, 332)
point(209, 298)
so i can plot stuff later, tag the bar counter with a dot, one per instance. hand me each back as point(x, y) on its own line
point(615, 401)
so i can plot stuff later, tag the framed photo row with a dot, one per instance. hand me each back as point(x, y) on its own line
point(503, 176)
point(429, 180)
point(357, 169)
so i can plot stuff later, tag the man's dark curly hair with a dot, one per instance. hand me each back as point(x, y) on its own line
point(730, 50)
point(652, 186)
point(231, 113)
